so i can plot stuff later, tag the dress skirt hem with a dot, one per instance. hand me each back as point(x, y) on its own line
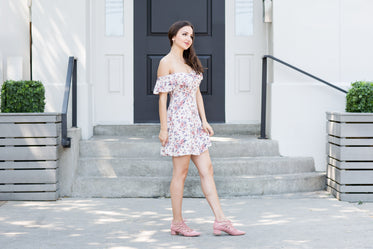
point(185, 154)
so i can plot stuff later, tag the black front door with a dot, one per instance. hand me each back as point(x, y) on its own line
point(152, 21)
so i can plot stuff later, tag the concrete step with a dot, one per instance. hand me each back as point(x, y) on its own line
point(149, 147)
point(226, 186)
point(125, 161)
point(148, 130)
point(232, 166)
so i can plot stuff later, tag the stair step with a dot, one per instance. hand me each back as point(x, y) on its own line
point(149, 147)
point(125, 161)
point(148, 130)
point(232, 166)
point(226, 186)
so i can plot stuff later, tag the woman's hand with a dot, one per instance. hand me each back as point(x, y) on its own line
point(163, 137)
point(207, 127)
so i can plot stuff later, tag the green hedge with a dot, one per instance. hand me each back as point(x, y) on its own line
point(360, 97)
point(22, 96)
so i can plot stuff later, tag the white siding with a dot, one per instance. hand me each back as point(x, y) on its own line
point(61, 29)
point(328, 39)
point(14, 34)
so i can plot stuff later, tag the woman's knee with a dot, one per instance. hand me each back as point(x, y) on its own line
point(181, 167)
point(206, 171)
point(180, 173)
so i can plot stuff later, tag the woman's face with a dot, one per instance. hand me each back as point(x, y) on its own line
point(184, 37)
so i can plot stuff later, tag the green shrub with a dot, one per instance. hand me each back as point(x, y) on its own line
point(22, 96)
point(360, 97)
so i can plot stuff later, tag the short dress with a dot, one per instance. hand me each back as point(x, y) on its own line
point(185, 133)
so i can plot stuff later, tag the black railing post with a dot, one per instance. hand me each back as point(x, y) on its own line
point(65, 141)
point(74, 95)
point(71, 70)
point(264, 99)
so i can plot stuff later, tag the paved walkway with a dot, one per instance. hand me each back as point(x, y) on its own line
point(309, 220)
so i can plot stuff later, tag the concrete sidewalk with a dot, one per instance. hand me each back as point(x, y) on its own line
point(308, 220)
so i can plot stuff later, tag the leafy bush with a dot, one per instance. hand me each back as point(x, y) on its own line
point(22, 96)
point(360, 97)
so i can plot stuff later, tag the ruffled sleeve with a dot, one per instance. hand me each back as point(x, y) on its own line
point(165, 83)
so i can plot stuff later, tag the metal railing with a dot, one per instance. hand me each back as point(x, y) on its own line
point(71, 82)
point(264, 88)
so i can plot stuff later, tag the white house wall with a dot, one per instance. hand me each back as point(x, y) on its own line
point(330, 39)
point(14, 35)
point(60, 30)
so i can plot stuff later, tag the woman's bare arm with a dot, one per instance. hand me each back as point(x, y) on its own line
point(163, 133)
point(163, 69)
point(201, 110)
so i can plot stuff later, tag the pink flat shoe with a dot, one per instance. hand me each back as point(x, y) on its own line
point(226, 226)
point(182, 229)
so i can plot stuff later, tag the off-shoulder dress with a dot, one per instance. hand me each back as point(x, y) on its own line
point(185, 133)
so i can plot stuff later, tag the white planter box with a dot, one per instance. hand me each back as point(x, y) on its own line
point(350, 156)
point(29, 153)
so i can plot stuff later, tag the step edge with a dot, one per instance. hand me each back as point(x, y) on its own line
point(303, 174)
point(166, 158)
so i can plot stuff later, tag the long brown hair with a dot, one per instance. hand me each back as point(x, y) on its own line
point(189, 54)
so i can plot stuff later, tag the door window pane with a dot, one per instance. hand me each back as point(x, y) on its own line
point(114, 17)
point(244, 17)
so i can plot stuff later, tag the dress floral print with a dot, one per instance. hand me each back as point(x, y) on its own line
point(185, 133)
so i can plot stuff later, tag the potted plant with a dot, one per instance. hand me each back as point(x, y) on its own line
point(22, 96)
point(360, 97)
point(29, 143)
point(350, 146)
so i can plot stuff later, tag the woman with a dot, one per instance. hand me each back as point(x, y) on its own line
point(185, 132)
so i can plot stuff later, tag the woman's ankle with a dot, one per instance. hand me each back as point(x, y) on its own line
point(177, 221)
point(221, 219)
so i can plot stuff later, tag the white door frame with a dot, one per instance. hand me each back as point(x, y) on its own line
point(243, 66)
point(242, 92)
point(122, 113)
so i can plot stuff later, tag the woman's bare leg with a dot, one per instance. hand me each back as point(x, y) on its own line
point(206, 173)
point(179, 173)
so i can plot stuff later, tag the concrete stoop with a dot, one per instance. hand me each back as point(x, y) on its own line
point(124, 161)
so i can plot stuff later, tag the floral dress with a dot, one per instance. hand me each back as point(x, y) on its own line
point(185, 133)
